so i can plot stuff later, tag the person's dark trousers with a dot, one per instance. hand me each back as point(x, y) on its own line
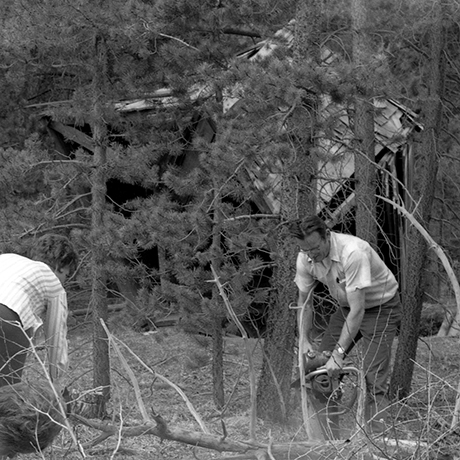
point(14, 344)
point(378, 330)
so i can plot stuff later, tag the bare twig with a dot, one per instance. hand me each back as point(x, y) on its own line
point(234, 31)
point(269, 449)
point(119, 438)
point(252, 216)
point(171, 384)
point(445, 261)
point(132, 377)
point(58, 397)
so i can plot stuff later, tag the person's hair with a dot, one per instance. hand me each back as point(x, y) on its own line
point(300, 229)
point(31, 418)
point(56, 251)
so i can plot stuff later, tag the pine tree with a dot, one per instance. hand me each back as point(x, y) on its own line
point(297, 201)
point(214, 224)
point(363, 126)
point(432, 119)
point(209, 212)
point(102, 54)
point(98, 301)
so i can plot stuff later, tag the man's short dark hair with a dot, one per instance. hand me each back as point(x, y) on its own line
point(56, 251)
point(305, 227)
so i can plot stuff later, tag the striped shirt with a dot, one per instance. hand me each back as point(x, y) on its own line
point(350, 265)
point(33, 291)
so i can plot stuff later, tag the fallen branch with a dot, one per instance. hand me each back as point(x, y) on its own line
point(171, 384)
point(312, 450)
point(210, 441)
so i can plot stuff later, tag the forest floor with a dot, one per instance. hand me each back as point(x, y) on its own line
point(185, 360)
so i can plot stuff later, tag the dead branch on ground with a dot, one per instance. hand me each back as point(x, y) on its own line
point(189, 405)
point(312, 450)
point(156, 425)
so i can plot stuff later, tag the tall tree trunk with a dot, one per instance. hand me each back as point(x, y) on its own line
point(217, 358)
point(363, 124)
point(98, 302)
point(297, 201)
point(417, 250)
point(216, 314)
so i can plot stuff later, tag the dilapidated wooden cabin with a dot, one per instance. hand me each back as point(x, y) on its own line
point(394, 125)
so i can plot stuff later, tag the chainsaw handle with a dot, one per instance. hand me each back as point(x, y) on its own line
point(344, 371)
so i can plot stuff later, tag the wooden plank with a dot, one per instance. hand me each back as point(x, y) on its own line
point(73, 134)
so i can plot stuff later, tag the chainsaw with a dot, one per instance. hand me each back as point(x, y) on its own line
point(326, 392)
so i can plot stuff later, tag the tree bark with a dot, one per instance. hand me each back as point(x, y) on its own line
point(363, 126)
point(218, 361)
point(98, 301)
point(297, 201)
point(417, 248)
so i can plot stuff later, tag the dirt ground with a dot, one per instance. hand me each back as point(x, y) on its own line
point(185, 360)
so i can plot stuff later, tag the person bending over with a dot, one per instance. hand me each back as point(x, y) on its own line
point(369, 306)
point(32, 295)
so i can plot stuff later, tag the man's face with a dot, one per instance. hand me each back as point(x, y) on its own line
point(314, 246)
point(62, 273)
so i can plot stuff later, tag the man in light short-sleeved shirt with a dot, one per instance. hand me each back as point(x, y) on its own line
point(369, 306)
point(32, 295)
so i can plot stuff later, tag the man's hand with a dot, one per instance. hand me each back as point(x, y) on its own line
point(334, 364)
point(307, 345)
